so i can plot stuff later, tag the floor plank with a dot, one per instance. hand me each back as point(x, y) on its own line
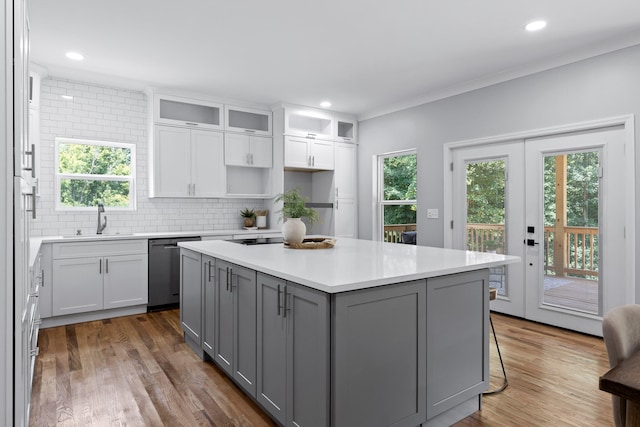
point(137, 371)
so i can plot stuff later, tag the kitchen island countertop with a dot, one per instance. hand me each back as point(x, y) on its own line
point(351, 264)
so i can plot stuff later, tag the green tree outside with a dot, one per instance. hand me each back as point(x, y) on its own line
point(84, 168)
point(400, 184)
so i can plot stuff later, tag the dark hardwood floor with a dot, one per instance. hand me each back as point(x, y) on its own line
point(137, 371)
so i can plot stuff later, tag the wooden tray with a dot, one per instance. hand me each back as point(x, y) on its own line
point(312, 243)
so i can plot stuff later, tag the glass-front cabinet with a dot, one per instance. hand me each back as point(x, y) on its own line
point(247, 120)
point(179, 111)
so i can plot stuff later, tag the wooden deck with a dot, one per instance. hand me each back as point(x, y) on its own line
point(572, 293)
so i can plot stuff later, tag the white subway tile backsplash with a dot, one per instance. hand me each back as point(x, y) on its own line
point(115, 114)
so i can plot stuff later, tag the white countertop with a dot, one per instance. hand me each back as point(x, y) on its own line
point(352, 264)
point(36, 242)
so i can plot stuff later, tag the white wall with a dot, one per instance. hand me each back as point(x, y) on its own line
point(600, 87)
point(113, 114)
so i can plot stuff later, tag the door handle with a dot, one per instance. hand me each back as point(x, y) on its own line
point(531, 242)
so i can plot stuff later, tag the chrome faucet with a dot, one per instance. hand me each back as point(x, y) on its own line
point(101, 226)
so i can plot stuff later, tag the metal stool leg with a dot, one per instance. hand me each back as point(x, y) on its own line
point(504, 373)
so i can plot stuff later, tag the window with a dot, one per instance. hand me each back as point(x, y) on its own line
point(397, 196)
point(88, 172)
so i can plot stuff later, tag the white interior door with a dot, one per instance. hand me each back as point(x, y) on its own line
point(575, 206)
point(488, 186)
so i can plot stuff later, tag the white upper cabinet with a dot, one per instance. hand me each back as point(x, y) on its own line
point(187, 163)
point(305, 153)
point(346, 129)
point(308, 123)
point(248, 120)
point(248, 150)
point(179, 111)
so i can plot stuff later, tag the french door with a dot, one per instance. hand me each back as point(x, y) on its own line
point(559, 203)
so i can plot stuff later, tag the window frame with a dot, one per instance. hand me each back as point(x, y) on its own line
point(379, 200)
point(58, 176)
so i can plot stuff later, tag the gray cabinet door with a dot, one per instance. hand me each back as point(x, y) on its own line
point(191, 295)
point(208, 285)
point(308, 369)
point(223, 318)
point(379, 356)
point(243, 288)
point(457, 339)
point(272, 345)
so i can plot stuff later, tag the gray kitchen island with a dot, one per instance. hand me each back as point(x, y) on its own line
point(363, 334)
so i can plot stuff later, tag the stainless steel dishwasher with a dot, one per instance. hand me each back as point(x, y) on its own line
point(164, 272)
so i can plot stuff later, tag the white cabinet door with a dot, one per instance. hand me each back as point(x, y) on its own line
point(346, 218)
point(322, 155)
point(171, 162)
point(296, 153)
point(77, 285)
point(261, 152)
point(208, 174)
point(179, 111)
point(346, 177)
point(249, 120)
point(236, 150)
point(125, 280)
point(248, 151)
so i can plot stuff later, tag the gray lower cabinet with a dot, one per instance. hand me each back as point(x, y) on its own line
point(457, 340)
point(235, 323)
point(379, 356)
point(208, 288)
point(293, 352)
point(191, 297)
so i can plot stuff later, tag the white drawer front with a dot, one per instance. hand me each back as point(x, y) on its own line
point(93, 248)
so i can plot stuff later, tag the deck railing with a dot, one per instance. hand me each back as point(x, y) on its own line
point(579, 254)
point(393, 233)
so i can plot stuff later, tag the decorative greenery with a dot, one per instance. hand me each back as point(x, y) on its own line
point(248, 213)
point(294, 206)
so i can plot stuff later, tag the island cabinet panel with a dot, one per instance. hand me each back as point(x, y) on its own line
point(293, 352)
point(379, 356)
point(235, 323)
point(191, 297)
point(208, 315)
point(457, 339)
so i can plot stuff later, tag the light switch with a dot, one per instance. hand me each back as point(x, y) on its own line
point(432, 213)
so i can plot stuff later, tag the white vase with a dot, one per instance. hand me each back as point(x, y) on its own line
point(294, 230)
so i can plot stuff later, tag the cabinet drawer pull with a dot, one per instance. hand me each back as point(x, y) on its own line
point(106, 262)
point(190, 124)
point(284, 314)
point(227, 279)
point(32, 153)
point(210, 271)
point(231, 280)
point(250, 130)
point(278, 300)
point(33, 202)
point(100, 267)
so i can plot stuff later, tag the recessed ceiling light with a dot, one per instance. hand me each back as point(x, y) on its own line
point(67, 97)
point(325, 104)
point(75, 56)
point(535, 25)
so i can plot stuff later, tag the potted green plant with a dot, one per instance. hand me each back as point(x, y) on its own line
point(293, 210)
point(249, 216)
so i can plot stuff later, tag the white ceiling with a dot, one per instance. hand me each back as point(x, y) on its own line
point(366, 57)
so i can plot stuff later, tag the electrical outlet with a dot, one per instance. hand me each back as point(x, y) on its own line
point(432, 213)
